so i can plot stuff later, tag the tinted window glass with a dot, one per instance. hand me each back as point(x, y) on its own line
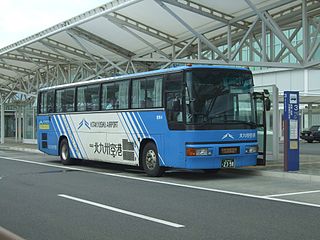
point(174, 89)
point(81, 100)
point(47, 102)
point(154, 91)
point(88, 98)
point(115, 95)
point(123, 94)
point(138, 93)
point(65, 100)
point(147, 93)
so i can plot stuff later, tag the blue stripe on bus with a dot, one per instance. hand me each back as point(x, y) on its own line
point(147, 133)
point(128, 133)
point(78, 137)
point(75, 139)
point(123, 126)
point(56, 123)
point(129, 127)
point(142, 124)
point(135, 121)
point(77, 146)
point(133, 135)
point(61, 122)
point(134, 127)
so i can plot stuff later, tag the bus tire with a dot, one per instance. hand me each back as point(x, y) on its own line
point(150, 161)
point(65, 152)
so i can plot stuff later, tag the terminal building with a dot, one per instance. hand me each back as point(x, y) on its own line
point(279, 40)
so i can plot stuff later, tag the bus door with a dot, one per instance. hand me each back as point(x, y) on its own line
point(262, 104)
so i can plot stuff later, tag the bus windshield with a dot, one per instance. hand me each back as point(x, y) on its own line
point(222, 97)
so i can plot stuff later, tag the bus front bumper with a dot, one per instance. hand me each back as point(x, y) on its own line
point(214, 156)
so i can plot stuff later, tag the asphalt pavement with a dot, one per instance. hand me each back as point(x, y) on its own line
point(42, 199)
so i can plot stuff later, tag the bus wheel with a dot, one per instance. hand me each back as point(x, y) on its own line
point(65, 152)
point(150, 160)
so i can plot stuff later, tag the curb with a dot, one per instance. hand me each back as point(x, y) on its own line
point(284, 175)
point(20, 149)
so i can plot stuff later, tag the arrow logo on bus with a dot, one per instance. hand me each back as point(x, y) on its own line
point(85, 123)
point(227, 135)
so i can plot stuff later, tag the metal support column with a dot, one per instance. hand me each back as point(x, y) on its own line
point(309, 115)
point(305, 27)
point(229, 42)
point(264, 42)
point(19, 125)
point(2, 132)
point(276, 121)
point(16, 124)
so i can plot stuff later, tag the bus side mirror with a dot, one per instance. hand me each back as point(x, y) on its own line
point(267, 104)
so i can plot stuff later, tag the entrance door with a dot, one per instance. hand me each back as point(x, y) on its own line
point(10, 125)
point(261, 128)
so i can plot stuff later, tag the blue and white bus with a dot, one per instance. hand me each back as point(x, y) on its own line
point(191, 117)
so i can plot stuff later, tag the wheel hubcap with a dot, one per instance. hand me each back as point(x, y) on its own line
point(151, 159)
point(64, 152)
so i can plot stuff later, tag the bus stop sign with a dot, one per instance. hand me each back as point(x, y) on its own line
point(291, 130)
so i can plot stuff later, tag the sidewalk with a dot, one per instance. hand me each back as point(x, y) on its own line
point(309, 169)
point(309, 164)
point(12, 145)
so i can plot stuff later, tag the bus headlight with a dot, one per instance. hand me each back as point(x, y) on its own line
point(198, 152)
point(252, 149)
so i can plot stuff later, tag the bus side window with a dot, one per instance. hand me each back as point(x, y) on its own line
point(81, 101)
point(65, 100)
point(92, 97)
point(138, 93)
point(68, 103)
point(59, 99)
point(50, 102)
point(47, 102)
point(43, 102)
point(173, 95)
point(88, 98)
point(147, 93)
point(108, 96)
point(122, 95)
point(154, 91)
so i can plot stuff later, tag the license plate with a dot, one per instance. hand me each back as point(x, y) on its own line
point(227, 163)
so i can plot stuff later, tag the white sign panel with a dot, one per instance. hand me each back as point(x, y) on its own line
point(293, 125)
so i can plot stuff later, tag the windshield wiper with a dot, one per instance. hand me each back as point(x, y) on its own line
point(209, 120)
point(253, 124)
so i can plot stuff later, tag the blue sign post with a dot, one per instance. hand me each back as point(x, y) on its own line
point(291, 130)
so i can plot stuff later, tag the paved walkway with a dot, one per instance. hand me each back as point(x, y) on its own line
point(12, 145)
point(309, 164)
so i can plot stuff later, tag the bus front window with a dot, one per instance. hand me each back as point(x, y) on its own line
point(218, 98)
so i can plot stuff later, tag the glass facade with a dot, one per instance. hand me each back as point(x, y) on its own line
point(20, 122)
point(29, 119)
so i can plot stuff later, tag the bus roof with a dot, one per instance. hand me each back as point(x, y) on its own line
point(143, 74)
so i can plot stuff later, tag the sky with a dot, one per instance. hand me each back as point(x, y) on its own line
point(22, 18)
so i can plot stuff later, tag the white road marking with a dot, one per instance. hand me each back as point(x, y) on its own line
point(137, 215)
point(290, 194)
point(166, 183)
